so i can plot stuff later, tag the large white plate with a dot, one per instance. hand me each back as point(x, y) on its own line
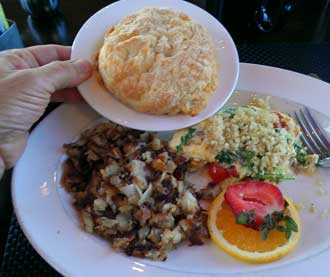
point(91, 36)
point(46, 217)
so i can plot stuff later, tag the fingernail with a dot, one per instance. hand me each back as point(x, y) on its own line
point(82, 66)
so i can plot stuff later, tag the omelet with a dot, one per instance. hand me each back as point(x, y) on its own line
point(260, 143)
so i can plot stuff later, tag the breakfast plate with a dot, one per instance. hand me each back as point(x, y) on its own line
point(90, 37)
point(45, 214)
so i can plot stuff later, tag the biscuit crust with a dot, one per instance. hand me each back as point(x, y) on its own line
point(159, 61)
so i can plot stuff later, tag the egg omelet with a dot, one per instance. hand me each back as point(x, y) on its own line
point(260, 143)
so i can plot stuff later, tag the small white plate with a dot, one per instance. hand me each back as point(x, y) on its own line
point(90, 37)
point(46, 216)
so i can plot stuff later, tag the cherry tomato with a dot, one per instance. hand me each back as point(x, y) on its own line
point(233, 172)
point(217, 172)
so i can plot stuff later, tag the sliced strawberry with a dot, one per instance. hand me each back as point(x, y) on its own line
point(264, 198)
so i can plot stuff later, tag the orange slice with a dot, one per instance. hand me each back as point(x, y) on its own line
point(245, 243)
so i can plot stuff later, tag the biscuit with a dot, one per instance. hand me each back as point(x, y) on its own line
point(159, 61)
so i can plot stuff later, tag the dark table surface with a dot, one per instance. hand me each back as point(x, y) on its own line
point(248, 21)
point(297, 39)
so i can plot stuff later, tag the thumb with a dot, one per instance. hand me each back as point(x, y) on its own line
point(64, 74)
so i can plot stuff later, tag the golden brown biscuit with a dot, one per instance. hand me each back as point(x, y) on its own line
point(159, 61)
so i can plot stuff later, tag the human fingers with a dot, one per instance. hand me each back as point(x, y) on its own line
point(68, 95)
point(63, 74)
point(35, 56)
point(45, 54)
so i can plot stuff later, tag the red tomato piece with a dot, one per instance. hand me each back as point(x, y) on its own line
point(233, 171)
point(277, 125)
point(217, 172)
point(282, 123)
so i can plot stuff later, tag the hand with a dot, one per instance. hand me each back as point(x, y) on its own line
point(29, 79)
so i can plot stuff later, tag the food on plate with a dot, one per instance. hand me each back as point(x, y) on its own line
point(246, 141)
point(159, 61)
point(254, 222)
point(129, 188)
point(147, 196)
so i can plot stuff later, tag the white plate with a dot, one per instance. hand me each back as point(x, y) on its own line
point(91, 36)
point(43, 209)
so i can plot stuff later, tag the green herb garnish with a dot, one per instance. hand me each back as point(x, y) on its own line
point(288, 227)
point(246, 217)
point(278, 221)
point(264, 233)
point(185, 139)
point(230, 110)
point(301, 154)
point(267, 226)
point(246, 157)
point(227, 157)
point(275, 177)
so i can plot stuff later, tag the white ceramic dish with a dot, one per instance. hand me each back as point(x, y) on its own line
point(90, 37)
point(47, 219)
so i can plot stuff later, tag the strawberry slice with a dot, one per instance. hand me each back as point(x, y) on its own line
point(261, 197)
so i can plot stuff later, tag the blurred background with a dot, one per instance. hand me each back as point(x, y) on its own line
point(252, 21)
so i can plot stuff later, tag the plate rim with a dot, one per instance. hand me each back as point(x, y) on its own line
point(246, 69)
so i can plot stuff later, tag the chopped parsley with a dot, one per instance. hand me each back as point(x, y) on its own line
point(230, 110)
point(247, 160)
point(227, 157)
point(301, 154)
point(275, 177)
point(247, 157)
point(185, 139)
